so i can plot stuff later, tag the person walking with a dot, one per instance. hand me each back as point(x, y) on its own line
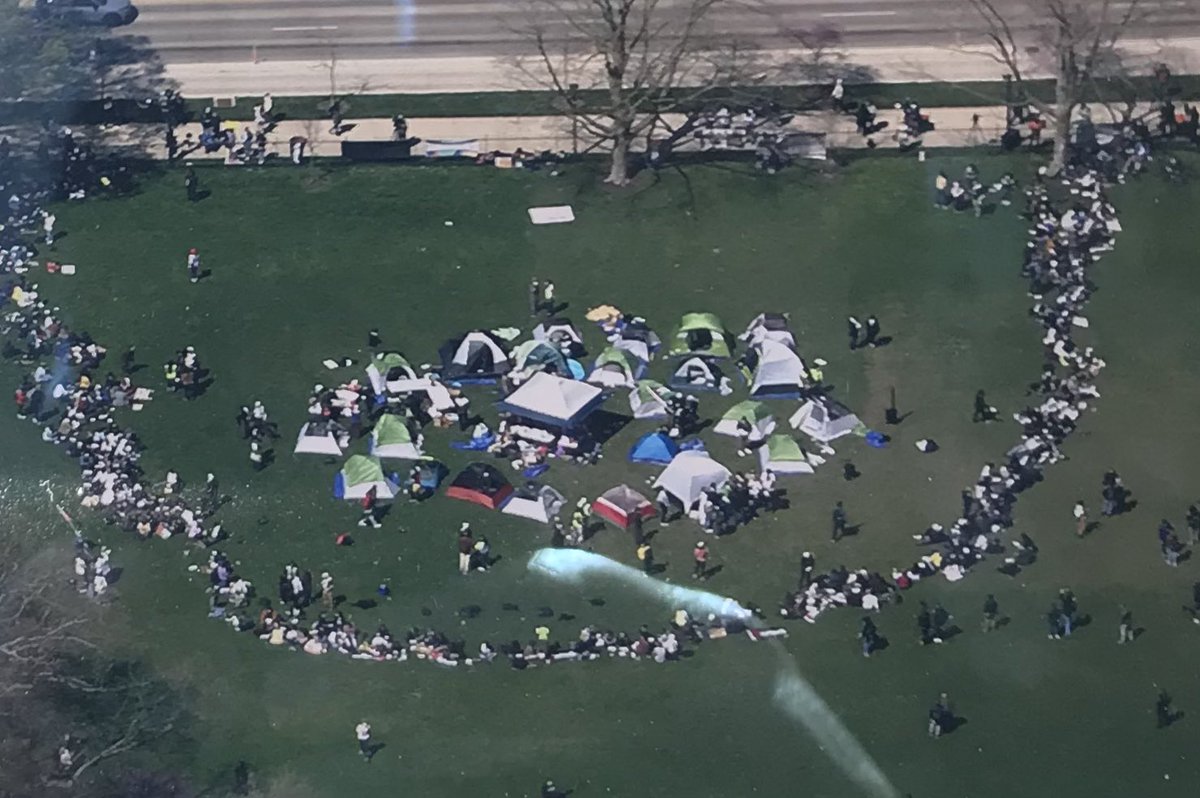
point(48, 220)
point(871, 338)
point(1125, 628)
point(1193, 524)
point(335, 117)
point(854, 327)
point(1054, 622)
point(212, 493)
point(645, 555)
point(699, 561)
point(362, 732)
point(983, 410)
point(193, 265)
point(192, 184)
point(868, 634)
point(369, 503)
point(991, 613)
point(839, 522)
point(326, 590)
point(1081, 519)
point(466, 544)
point(1066, 600)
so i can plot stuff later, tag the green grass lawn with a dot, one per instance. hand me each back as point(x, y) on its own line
point(306, 261)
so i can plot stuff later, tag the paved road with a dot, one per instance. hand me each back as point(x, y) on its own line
point(230, 31)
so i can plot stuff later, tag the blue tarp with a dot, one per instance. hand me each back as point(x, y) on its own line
point(654, 447)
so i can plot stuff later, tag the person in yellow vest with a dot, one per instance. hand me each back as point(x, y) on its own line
point(645, 556)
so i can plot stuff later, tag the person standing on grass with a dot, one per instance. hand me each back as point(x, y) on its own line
point(212, 492)
point(548, 297)
point(258, 458)
point(872, 337)
point(1066, 600)
point(700, 561)
point(326, 590)
point(807, 564)
point(868, 634)
point(854, 328)
point(535, 296)
point(991, 613)
point(362, 732)
point(645, 555)
point(369, 503)
point(1162, 709)
point(466, 544)
point(1080, 514)
point(839, 522)
point(1193, 524)
point(48, 220)
point(192, 184)
point(1125, 629)
point(1054, 622)
point(193, 265)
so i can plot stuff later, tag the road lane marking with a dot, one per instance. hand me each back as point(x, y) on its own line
point(294, 28)
point(859, 14)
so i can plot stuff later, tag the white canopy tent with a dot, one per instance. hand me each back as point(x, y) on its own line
point(553, 400)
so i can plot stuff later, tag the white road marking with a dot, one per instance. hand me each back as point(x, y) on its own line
point(292, 28)
point(859, 14)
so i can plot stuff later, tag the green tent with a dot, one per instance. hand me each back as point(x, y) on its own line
point(783, 455)
point(538, 354)
point(359, 475)
point(614, 367)
point(700, 334)
point(390, 360)
point(393, 438)
point(756, 413)
point(648, 399)
point(386, 367)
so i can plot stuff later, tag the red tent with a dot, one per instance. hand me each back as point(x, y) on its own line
point(481, 484)
point(621, 505)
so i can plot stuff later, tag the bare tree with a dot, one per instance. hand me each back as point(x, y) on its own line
point(1077, 37)
point(617, 66)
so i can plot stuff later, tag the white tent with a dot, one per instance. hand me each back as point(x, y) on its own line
point(553, 400)
point(536, 502)
point(697, 374)
point(688, 474)
point(761, 421)
point(769, 327)
point(317, 438)
point(783, 455)
point(824, 419)
point(780, 371)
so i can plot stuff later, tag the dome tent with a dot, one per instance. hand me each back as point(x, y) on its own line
point(654, 447)
point(622, 505)
point(757, 414)
point(561, 333)
point(687, 476)
point(780, 373)
point(317, 437)
point(540, 356)
point(769, 327)
point(700, 334)
point(697, 374)
point(824, 419)
point(539, 503)
point(783, 455)
point(359, 475)
point(649, 399)
point(616, 367)
point(638, 339)
point(390, 372)
point(392, 437)
point(482, 484)
point(476, 356)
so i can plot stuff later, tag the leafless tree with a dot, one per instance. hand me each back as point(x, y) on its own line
point(616, 66)
point(1077, 39)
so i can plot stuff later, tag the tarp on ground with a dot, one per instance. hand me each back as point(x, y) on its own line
point(621, 505)
point(700, 334)
point(696, 374)
point(689, 474)
point(474, 356)
point(392, 437)
point(780, 371)
point(317, 437)
point(824, 419)
point(482, 484)
point(783, 455)
point(359, 475)
point(615, 367)
point(654, 447)
point(536, 502)
point(757, 414)
point(540, 356)
point(649, 399)
point(552, 400)
point(390, 372)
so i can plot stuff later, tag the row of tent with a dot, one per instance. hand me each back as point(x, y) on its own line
point(392, 437)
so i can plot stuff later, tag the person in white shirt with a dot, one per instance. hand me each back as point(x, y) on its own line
point(363, 732)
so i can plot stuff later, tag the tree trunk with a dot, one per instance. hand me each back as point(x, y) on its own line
point(1062, 139)
point(1064, 102)
point(618, 172)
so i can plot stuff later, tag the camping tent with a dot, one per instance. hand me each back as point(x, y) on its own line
point(393, 438)
point(696, 374)
point(649, 399)
point(638, 339)
point(615, 367)
point(540, 356)
point(482, 484)
point(317, 438)
point(621, 505)
point(390, 372)
point(823, 419)
point(359, 475)
point(560, 333)
point(783, 455)
point(769, 327)
point(759, 416)
point(477, 356)
point(689, 474)
point(553, 400)
point(654, 447)
point(700, 334)
point(780, 371)
point(536, 502)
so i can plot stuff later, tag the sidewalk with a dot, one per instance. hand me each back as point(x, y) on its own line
point(955, 127)
point(416, 75)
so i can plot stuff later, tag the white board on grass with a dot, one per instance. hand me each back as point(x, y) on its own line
point(552, 214)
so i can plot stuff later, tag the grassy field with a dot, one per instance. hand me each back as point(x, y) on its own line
point(306, 261)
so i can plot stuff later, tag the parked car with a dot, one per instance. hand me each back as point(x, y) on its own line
point(109, 13)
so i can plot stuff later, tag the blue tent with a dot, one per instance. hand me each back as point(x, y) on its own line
point(654, 447)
